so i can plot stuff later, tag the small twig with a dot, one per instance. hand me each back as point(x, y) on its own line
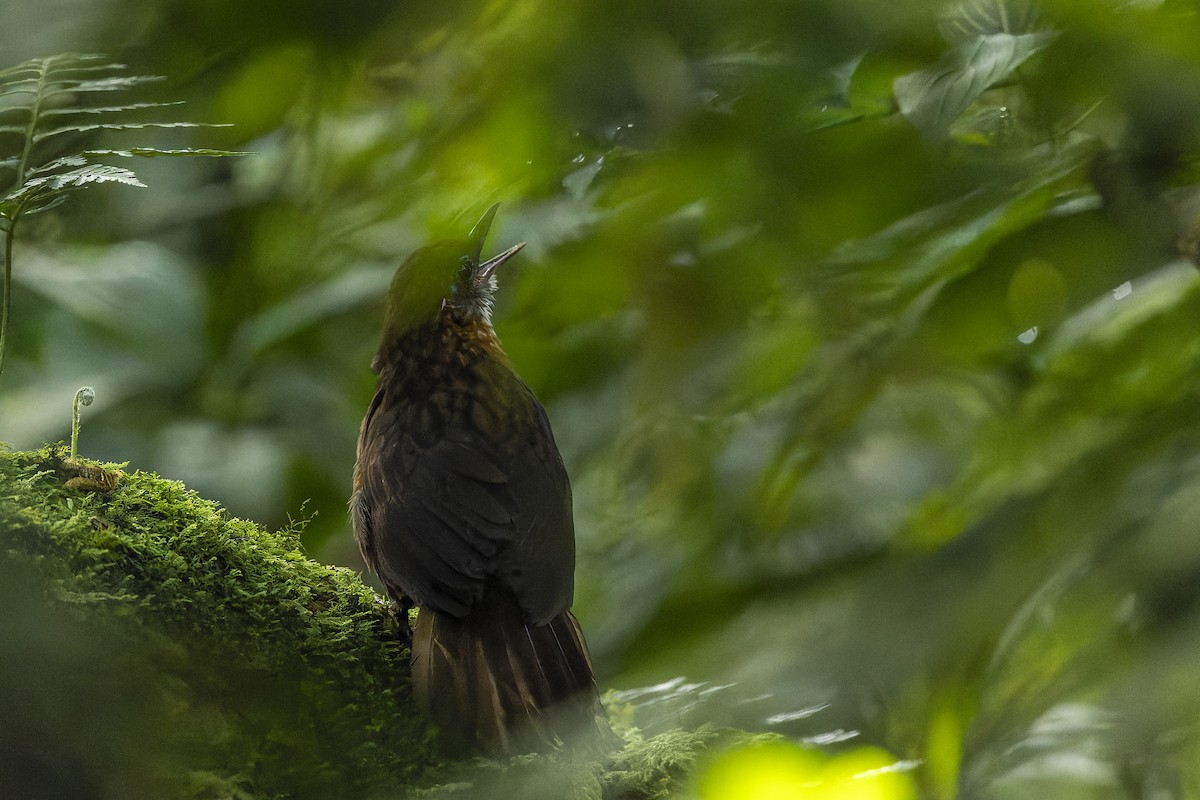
point(8, 250)
point(83, 397)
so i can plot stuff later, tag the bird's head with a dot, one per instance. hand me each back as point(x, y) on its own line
point(447, 276)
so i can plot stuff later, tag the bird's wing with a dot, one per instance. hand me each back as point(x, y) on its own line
point(477, 496)
point(539, 566)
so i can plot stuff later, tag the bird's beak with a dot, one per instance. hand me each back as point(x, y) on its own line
point(486, 269)
point(479, 233)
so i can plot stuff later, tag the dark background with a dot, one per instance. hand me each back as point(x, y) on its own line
point(868, 332)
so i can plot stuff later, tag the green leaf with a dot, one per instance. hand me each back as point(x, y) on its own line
point(73, 63)
point(153, 152)
point(39, 194)
point(53, 201)
point(107, 109)
point(58, 163)
point(122, 126)
point(19, 88)
point(975, 18)
point(931, 99)
point(28, 68)
point(116, 84)
point(34, 190)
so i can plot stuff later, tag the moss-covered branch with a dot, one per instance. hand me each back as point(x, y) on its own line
point(151, 645)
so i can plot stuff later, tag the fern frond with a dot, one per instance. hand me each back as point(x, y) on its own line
point(117, 84)
point(35, 194)
point(29, 68)
point(53, 112)
point(91, 173)
point(56, 201)
point(120, 126)
point(153, 152)
point(77, 160)
point(17, 88)
point(42, 100)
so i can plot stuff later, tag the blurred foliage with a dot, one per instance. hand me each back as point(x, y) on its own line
point(870, 334)
point(779, 770)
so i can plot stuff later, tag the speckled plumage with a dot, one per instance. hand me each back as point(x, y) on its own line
point(459, 483)
point(462, 506)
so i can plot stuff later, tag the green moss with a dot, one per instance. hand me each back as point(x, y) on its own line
point(281, 675)
point(155, 646)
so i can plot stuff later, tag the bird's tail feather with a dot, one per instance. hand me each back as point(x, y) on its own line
point(496, 684)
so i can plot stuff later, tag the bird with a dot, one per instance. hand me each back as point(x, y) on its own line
point(462, 508)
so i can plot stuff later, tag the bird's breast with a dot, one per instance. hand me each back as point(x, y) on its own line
point(445, 375)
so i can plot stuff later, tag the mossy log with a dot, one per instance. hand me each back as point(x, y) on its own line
point(153, 646)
